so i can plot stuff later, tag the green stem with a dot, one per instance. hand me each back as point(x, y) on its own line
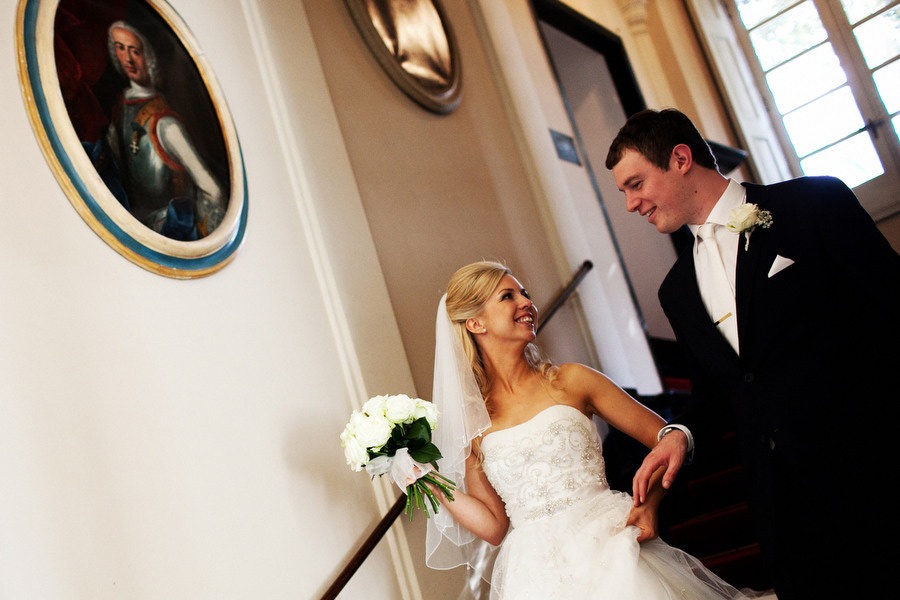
point(419, 495)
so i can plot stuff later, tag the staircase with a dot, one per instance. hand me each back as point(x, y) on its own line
point(705, 512)
point(708, 516)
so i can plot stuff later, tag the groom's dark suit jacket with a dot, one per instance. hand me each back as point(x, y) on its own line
point(815, 391)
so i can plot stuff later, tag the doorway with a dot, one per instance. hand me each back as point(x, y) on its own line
point(599, 90)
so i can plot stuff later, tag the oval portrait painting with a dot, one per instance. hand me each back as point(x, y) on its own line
point(136, 130)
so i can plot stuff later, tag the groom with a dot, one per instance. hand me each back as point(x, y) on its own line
point(786, 311)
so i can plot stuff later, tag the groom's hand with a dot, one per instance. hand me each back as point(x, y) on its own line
point(669, 453)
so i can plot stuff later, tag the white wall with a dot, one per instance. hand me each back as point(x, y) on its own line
point(164, 438)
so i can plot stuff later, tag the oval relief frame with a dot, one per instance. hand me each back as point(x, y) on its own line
point(415, 44)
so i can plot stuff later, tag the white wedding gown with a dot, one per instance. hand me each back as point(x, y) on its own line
point(568, 538)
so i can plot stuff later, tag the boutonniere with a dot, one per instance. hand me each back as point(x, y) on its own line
point(747, 217)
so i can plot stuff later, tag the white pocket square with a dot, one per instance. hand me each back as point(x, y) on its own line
point(780, 263)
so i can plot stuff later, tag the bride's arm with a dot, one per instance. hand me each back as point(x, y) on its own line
point(620, 410)
point(481, 510)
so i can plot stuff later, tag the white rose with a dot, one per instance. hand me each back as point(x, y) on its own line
point(400, 408)
point(373, 431)
point(375, 405)
point(355, 453)
point(742, 217)
point(429, 411)
point(355, 419)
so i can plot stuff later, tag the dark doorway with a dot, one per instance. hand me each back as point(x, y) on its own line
point(599, 91)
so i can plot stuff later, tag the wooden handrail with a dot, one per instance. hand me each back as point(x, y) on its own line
point(395, 511)
point(363, 553)
point(567, 291)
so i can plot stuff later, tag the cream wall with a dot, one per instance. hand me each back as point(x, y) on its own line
point(438, 190)
point(179, 438)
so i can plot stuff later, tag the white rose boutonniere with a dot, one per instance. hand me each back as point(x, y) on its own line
point(747, 217)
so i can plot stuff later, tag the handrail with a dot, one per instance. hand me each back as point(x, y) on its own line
point(567, 291)
point(363, 553)
point(369, 544)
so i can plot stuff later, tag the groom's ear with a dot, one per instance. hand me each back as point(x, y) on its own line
point(681, 158)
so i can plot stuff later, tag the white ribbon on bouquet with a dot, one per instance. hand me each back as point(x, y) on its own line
point(403, 469)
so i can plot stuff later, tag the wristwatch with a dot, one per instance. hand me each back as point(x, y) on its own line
point(690, 438)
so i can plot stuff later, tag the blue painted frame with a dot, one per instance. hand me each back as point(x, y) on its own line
point(96, 204)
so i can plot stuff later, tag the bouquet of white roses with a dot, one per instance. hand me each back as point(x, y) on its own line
point(393, 434)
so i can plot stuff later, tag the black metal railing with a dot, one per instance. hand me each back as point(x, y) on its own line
point(369, 544)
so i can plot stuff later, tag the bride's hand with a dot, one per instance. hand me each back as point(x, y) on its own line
point(645, 519)
point(438, 492)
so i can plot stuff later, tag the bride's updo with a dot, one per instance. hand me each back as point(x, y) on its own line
point(468, 291)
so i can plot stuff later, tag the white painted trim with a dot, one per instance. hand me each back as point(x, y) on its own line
point(351, 367)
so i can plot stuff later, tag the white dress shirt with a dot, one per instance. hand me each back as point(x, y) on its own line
point(727, 241)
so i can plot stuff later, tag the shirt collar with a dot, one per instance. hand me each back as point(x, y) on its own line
point(734, 195)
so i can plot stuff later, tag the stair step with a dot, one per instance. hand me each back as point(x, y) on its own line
point(722, 455)
point(680, 385)
point(705, 512)
point(741, 567)
point(724, 487)
point(726, 557)
point(713, 532)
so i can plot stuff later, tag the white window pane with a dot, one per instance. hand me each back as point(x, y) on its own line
point(879, 38)
point(887, 80)
point(754, 12)
point(805, 78)
point(854, 161)
point(856, 10)
point(822, 122)
point(788, 35)
point(896, 122)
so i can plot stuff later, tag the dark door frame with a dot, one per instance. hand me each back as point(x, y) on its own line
point(596, 37)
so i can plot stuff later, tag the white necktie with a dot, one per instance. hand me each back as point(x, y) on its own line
point(718, 296)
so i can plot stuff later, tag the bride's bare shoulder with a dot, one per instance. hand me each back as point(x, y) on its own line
point(580, 379)
point(573, 371)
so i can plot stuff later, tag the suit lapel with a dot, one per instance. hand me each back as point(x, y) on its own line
point(746, 272)
point(751, 271)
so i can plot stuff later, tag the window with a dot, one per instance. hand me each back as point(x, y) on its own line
point(832, 74)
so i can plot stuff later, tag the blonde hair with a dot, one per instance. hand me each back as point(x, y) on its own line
point(468, 291)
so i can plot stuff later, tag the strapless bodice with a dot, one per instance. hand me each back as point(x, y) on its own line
point(546, 464)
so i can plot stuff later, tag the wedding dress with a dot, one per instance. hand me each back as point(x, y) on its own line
point(568, 537)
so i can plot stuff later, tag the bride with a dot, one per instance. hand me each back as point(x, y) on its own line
point(533, 512)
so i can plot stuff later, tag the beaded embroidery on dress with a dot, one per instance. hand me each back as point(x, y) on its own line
point(568, 537)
